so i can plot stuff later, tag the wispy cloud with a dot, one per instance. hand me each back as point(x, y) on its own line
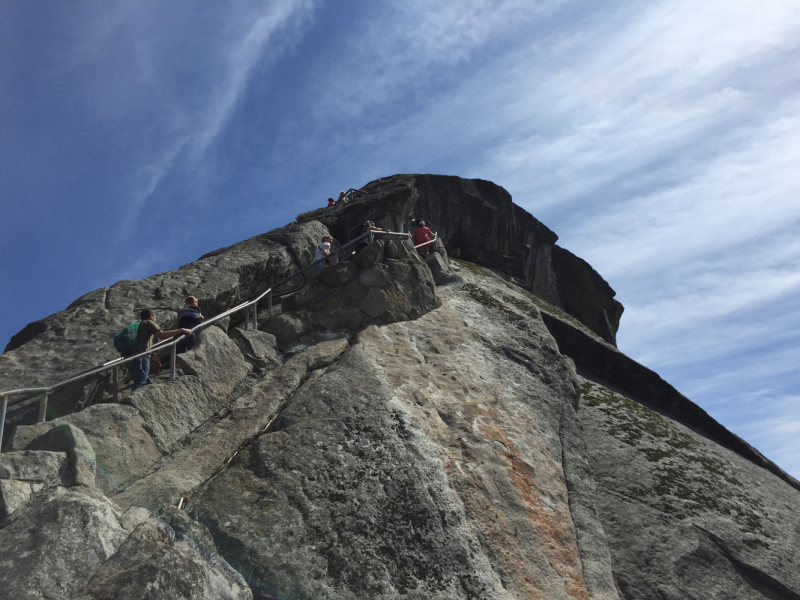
point(242, 59)
point(390, 53)
point(771, 422)
point(140, 62)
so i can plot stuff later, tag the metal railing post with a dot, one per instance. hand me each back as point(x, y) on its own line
point(269, 302)
point(370, 236)
point(247, 318)
point(115, 383)
point(173, 352)
point(3, 419)
point(43, 408)
point(255, 315)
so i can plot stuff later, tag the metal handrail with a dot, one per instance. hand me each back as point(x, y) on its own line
point(352, 192)
point(435, 235)
point(28, 393)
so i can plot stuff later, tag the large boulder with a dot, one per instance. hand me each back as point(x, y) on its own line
point(23, 474)
point(257, 346)
point(438, 266)
point(337, 274)
point(153, 563)
point(123, 448)
point(56, 546)
point(171, 411)
point(286, 327)
point(370, 287)
point(35, 465)
point(81, 457)
point(216, 359)
point(15, 495)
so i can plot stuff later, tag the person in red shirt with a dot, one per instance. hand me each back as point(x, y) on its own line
point(330, 203)
point(421, 235)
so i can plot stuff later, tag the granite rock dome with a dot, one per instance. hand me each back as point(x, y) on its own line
point(398, 428)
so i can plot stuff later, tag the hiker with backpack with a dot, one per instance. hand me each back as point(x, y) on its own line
point(137, 338)
point(188, 318)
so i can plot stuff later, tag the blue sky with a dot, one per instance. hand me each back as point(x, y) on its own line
point(659, 139)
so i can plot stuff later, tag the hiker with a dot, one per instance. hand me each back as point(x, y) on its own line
point(188, 318)
point(322, 255)
point(140, 367)
point(342, 198)
point(412, 225)
point(361, 230)
point(331, 203)
point(421, 235)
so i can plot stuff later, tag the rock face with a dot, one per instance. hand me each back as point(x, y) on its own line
point(398, 428)
point(403, 471)
point(68, 342)
point(51, 549)
point(477, 220)
point(383, 283)
point(154, 563)
point(685, 515)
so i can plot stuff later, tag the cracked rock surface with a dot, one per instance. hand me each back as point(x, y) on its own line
point(407, 470)
point(397, 428)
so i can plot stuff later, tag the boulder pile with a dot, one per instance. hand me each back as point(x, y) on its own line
point(384, 283)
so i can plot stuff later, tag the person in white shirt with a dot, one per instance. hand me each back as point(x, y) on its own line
point(323, 252)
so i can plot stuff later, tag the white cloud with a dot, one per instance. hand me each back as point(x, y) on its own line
point(391, 53)
point(771, 423)
point(170, 79)
point(732, 199)
point(241, 60)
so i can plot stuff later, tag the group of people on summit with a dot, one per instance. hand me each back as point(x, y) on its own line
point(341, 199)
point(423, 241)
point(140, 335)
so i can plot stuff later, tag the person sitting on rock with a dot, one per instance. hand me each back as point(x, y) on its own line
point(422, 235)
point(322, 255)
point(342, 198)
point(140, 367)
point(189, 318)
point(331, 203)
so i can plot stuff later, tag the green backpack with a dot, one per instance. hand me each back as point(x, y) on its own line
point(127, 340)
